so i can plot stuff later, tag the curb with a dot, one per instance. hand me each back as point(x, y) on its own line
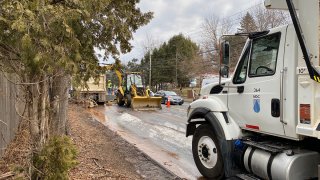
point(156, 162)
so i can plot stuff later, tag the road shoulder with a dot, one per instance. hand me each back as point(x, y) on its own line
point(104, 154)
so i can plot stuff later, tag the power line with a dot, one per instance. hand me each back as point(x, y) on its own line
point(233, 22)
point(242, 11)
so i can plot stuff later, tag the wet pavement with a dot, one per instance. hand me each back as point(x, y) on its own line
point(160, 134)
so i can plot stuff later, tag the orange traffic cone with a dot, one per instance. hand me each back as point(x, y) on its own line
point(168, 102)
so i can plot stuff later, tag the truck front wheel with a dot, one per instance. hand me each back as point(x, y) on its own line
point(206, 153)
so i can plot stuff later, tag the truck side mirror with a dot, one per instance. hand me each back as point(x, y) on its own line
point(225, 53)
point(225, 59)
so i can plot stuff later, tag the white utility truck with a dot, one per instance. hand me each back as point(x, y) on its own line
point(264, 122)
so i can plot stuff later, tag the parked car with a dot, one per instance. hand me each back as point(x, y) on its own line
point(172, 96)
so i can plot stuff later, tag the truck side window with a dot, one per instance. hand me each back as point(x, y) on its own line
point(264, 55)
point(241, 72)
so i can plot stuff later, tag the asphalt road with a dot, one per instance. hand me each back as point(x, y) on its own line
point(160, 134)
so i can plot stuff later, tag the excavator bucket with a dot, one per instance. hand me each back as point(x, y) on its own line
point(146, 103)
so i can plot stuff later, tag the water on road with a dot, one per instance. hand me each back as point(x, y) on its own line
point(160, 134)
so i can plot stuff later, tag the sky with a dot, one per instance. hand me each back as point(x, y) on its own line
point(172, 17)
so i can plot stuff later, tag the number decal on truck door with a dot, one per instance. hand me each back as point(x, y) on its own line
point(302, 70)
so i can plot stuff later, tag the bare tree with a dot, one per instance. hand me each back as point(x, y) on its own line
point(267, 19)
point(148, 45)
point(213, 28)
point(210, 29)
point(226, 26)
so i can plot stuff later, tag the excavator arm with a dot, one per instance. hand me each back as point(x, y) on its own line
point(119, 75)
point(116, 67)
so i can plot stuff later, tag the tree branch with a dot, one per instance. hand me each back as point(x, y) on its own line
point(57, 2)
point(9, 49)
point(6, 175)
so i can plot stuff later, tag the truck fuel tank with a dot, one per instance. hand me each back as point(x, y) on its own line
point(289, 165)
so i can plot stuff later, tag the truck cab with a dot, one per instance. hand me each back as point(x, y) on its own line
point(258, 83)
point(268, 112)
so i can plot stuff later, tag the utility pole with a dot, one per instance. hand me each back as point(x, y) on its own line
point(150, 68)
point(176, 68)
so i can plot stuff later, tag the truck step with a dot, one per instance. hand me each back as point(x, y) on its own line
point(268, 146)
point(247, 177)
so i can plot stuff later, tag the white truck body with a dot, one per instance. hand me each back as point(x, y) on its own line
point(270, 95)
point(290, 84)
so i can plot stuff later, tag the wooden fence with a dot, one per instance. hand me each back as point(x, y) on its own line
point(9, 105)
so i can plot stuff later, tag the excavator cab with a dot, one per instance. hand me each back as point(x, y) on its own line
point(132, 93)
point(134, 80)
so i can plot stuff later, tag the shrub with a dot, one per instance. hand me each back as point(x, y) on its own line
point(55, 160)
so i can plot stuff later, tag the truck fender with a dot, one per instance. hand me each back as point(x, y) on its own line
point(223, 125)
point(225, 133)
point(206, 118)
point(214, 104)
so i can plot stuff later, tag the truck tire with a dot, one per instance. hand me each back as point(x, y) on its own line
point(206, 152)
point(120, 100)
point(127, 100)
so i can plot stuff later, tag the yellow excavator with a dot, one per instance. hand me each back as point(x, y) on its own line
point(131, 90)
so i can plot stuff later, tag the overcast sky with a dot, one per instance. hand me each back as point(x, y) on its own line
point(172, 17)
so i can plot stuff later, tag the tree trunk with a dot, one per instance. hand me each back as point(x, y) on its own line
point(33, 117)
point(59, 104)
point(43, 111)
point(38, 114)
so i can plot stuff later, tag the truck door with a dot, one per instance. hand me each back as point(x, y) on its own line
point(255, 102)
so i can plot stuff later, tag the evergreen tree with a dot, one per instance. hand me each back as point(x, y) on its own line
point(45, 42)
point(247, 24)
point(173, 62)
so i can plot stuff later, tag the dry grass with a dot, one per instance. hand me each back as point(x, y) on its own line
point(18, 153)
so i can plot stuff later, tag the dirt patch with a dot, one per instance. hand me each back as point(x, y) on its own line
point(102, 154)
point(105, 155)
point(174, 155)
point(96, 114)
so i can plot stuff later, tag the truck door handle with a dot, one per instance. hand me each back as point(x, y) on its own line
point(240, 89)
point(275, 107)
